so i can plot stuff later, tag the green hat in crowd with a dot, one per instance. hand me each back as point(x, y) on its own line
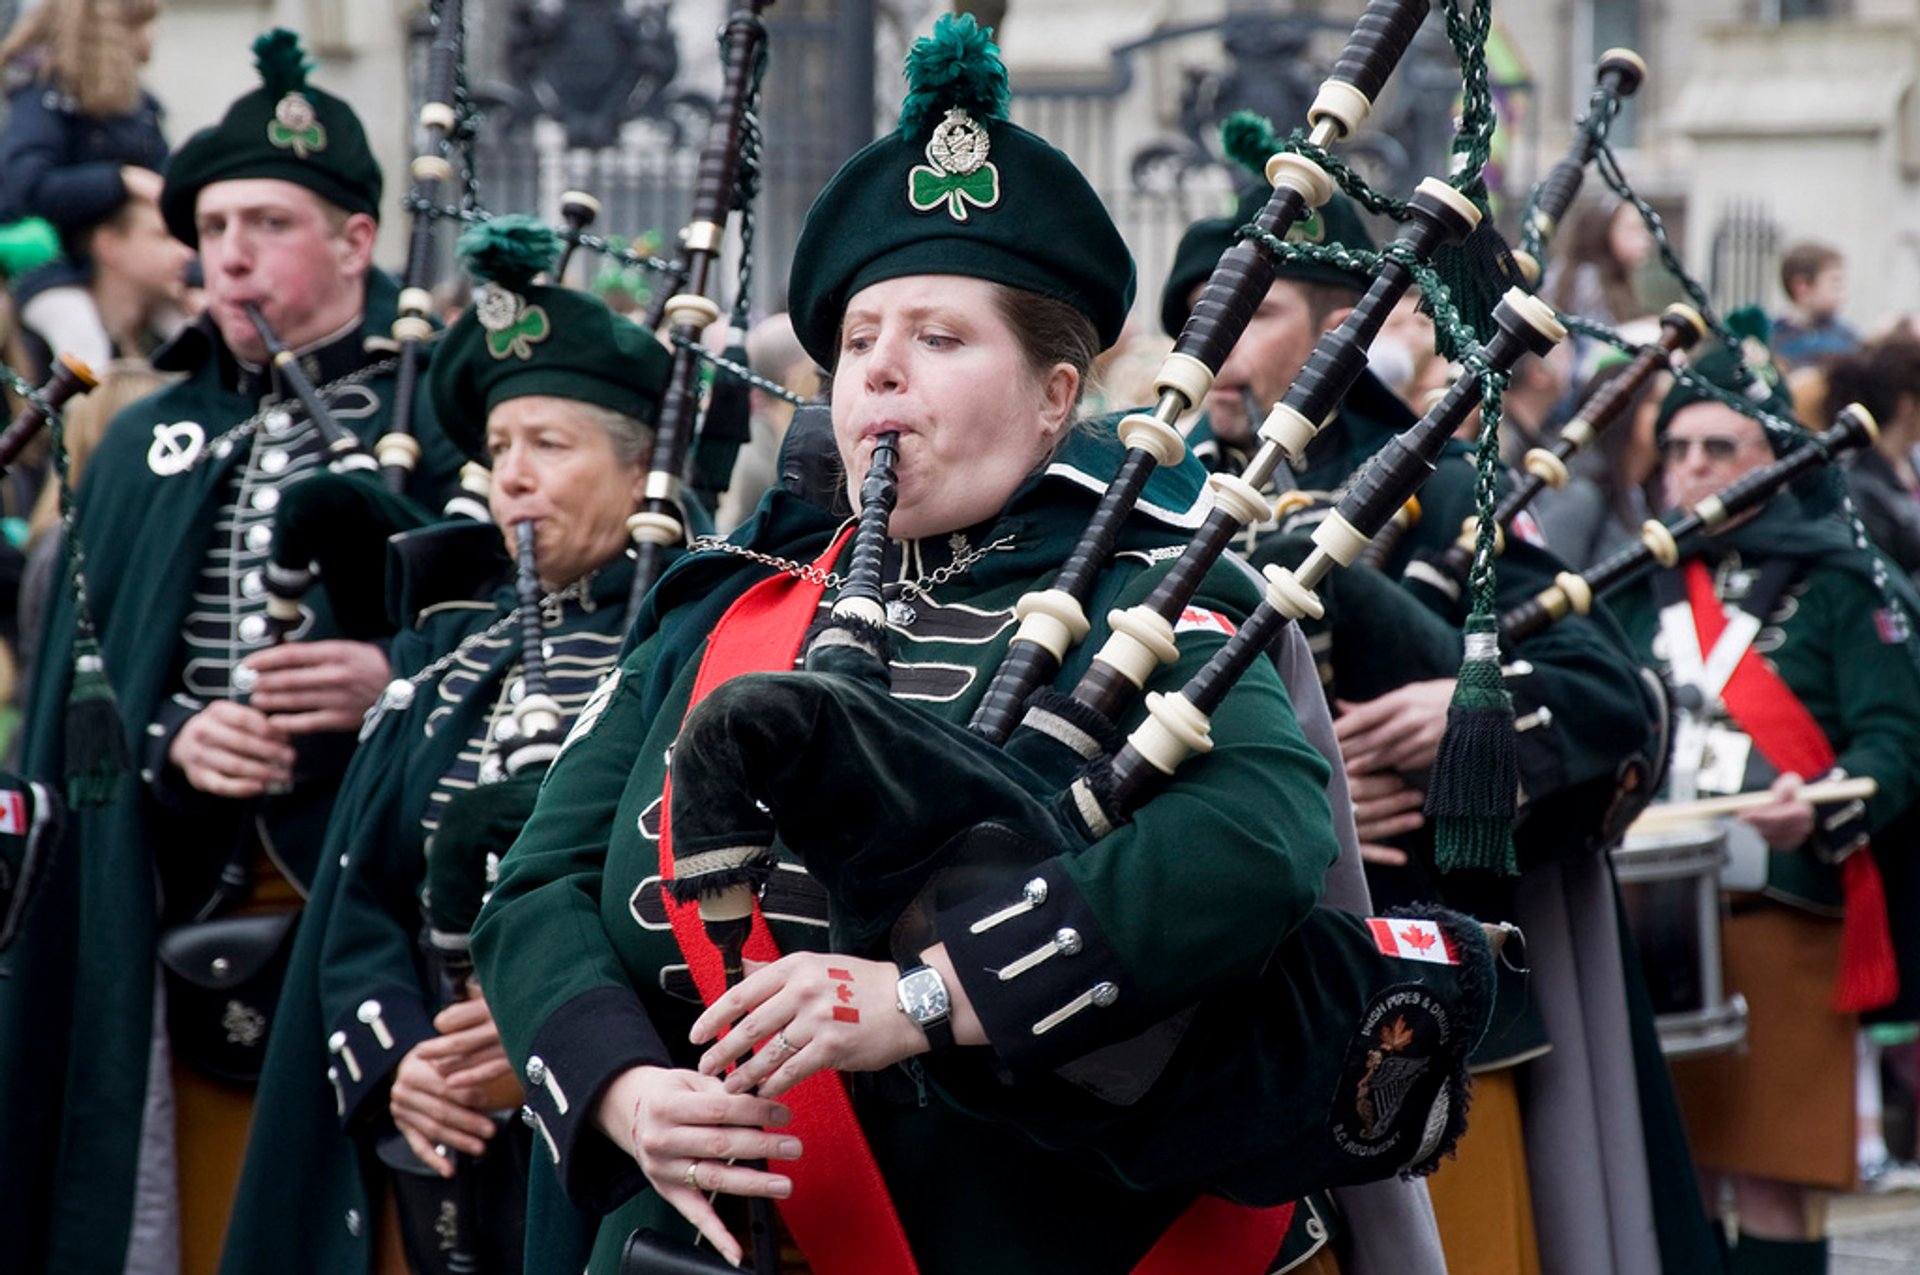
point(1766, 389)
point(521, 338)
point(1247, 139)
point(285, 129)
point(957, 189)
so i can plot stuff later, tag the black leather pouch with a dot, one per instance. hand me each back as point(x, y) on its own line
point(223, 982)
point(650, 1253)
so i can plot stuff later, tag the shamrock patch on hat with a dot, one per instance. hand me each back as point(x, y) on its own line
point(957, 171)
point(513, 327)
point(296, 126)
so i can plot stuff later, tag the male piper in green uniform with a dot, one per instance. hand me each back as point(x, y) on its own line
point(1790, 650)
point(225, 803)
point(1587, 724)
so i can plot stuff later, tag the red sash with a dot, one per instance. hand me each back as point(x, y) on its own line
point(1787, 736)
point(840, 1213)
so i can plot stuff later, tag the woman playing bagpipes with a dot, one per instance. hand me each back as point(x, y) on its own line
point(386, 1069)
point(1018, 1076)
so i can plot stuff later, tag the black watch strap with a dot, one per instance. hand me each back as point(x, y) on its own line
point(940, 1034)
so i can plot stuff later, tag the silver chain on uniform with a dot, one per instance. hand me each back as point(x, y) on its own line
point(919, 587)
point(393, 697)
point(252, 425)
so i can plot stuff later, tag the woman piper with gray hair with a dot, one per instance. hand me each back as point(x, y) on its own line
point(384, 1057)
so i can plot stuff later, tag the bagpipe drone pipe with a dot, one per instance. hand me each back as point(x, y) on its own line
point(662, 523)
point(1440, 578)
point(445, 118)
point(1444, 574)
point(1661, 543)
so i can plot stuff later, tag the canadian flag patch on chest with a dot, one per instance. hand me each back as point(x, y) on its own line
point(1201, 620)
point(1412, 939)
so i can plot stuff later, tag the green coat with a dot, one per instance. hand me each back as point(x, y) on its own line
point(76, 1001)
point(309, 1169)
point(1250, 820)
point(1843, 652)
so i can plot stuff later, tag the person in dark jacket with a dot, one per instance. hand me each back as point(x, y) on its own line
point(82, 138)
point(1885, 379)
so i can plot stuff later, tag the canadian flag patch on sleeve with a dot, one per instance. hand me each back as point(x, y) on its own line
point(1201, 620)
point(13, 813)
point(1412, 939)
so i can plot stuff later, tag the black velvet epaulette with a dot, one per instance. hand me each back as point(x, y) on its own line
point(448, 562)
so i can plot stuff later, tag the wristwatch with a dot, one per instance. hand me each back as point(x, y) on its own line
point(923, 998)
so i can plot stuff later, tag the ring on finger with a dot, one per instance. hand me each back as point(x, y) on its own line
point(440, 1149)
point(692, 1175)
point(786, 1047)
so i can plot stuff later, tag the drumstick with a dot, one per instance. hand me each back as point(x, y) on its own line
point(1709, 807)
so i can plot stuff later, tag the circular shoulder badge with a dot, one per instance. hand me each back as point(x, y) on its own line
point(1393, 1071)
point(175, 448)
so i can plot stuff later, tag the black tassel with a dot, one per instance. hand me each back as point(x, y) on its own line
point(96, 737)
point(1476, 778)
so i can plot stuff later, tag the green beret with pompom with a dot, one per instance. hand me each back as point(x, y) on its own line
point(958, 189)
point(288, 130)
point(1752, 376)
point(522, 338)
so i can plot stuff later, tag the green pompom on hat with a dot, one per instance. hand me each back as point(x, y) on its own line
point(957, 189)
point(1248, 139)
point(521, 338)
point(1761, 385)
point(286, 129)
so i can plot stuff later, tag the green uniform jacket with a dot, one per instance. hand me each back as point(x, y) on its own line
point(76, 1000)
point(1845, 654)
point(303, 1203)
point(586, 981)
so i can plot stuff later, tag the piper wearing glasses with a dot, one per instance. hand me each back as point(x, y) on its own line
point(1790, 666)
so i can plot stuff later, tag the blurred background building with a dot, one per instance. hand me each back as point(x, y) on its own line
point(1761, 121)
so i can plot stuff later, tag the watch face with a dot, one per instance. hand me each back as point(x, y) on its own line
point(923, 995)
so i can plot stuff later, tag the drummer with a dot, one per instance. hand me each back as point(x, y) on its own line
point(1827, 686)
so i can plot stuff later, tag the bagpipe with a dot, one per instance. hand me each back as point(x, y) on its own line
point(1661, 542)
point(69, 377)
point(36, 815)
point(1054, 620)
point(755, 762)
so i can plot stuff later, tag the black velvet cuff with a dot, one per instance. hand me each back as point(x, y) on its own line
point(1037, 967)
point(580, 1050)
point(375, 1034)
point(166, 783)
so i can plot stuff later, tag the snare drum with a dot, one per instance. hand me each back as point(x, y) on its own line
point(1670, 889)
